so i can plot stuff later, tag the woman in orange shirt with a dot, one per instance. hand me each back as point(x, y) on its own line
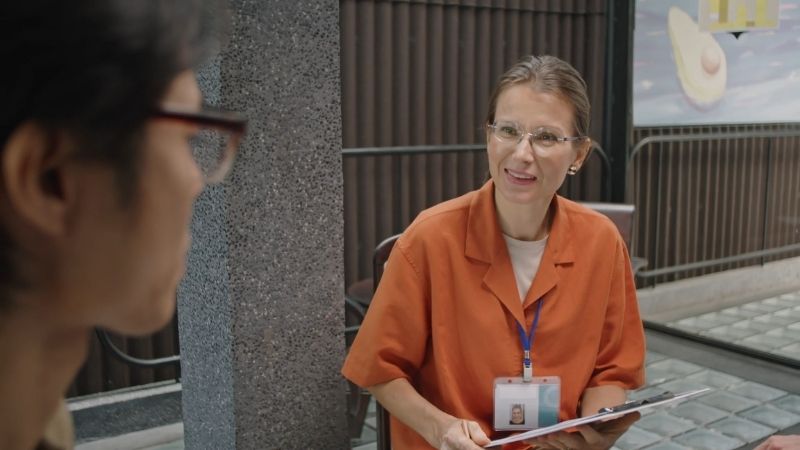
point(510, 280)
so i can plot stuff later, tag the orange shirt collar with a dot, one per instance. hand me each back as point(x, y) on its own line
point(485, 243)
point(485, 238)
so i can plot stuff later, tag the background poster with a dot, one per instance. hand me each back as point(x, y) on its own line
point(685, 76)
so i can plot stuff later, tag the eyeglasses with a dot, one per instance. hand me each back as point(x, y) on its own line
point(542, 137)
point(215, 143)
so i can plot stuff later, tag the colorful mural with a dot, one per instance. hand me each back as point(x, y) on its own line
point(685, 75)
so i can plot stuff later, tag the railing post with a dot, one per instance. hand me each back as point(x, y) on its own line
point(768, 179)
point(397, 223)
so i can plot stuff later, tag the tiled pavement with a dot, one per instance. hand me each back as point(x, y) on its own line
point(738, 411)
point(771, 325)
point(735, 413)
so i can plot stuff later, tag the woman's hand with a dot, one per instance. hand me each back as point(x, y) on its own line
point(599, 436)
point(790, 442)
point(439, 429)
point(462, 434)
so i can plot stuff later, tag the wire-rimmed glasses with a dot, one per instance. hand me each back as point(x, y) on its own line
point(542, 137)
point(216, 141)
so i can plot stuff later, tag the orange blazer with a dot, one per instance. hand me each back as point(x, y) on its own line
point(445, 314)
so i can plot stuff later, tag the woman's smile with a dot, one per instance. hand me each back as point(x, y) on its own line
point(520, 178)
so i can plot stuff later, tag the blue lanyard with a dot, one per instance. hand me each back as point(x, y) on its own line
point(527, 343)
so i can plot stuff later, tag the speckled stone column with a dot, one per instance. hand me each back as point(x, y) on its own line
point(261, 310)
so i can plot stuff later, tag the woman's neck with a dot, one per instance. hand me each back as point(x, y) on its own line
point(530, 222)
point(39, 361)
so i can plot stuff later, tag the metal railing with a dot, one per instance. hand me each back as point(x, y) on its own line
point(108, 344)
point(719, 261)
point(769, 136)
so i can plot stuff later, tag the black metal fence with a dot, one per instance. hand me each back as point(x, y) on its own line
point(714, 198)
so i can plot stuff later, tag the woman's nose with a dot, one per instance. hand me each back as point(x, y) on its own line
point(524, 149)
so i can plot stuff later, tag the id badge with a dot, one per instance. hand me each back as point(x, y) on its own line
point(521, 405)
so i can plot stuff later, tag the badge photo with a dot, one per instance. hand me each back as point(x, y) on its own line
point(526, 405)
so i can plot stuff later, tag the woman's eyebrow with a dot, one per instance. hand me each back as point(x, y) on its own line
point(554, 128)
point(550, 128)
point(516, 123)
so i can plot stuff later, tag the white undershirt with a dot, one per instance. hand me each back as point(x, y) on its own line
point(525, 259)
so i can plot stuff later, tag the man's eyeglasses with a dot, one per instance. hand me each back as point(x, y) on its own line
point(542, 137)
point(216, 141)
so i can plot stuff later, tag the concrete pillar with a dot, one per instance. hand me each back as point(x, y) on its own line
point(261, 311)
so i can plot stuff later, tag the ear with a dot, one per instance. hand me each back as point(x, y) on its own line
point(33, 163)
point(584, 150)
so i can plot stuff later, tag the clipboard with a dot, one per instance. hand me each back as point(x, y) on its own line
point(604, 414)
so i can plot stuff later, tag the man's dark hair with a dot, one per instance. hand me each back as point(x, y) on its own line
point(93, 69)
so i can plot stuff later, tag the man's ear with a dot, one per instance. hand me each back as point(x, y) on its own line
point(33, 163)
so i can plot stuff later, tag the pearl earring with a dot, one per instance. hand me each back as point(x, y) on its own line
point(573, 169)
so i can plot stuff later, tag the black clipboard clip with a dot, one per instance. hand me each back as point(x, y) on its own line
point(634, 404)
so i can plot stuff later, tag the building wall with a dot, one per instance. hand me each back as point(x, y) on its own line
point(421, 73)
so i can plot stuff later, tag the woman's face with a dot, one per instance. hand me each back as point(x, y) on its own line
point(126, 260)
point(516, 415)
point(529, 173)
